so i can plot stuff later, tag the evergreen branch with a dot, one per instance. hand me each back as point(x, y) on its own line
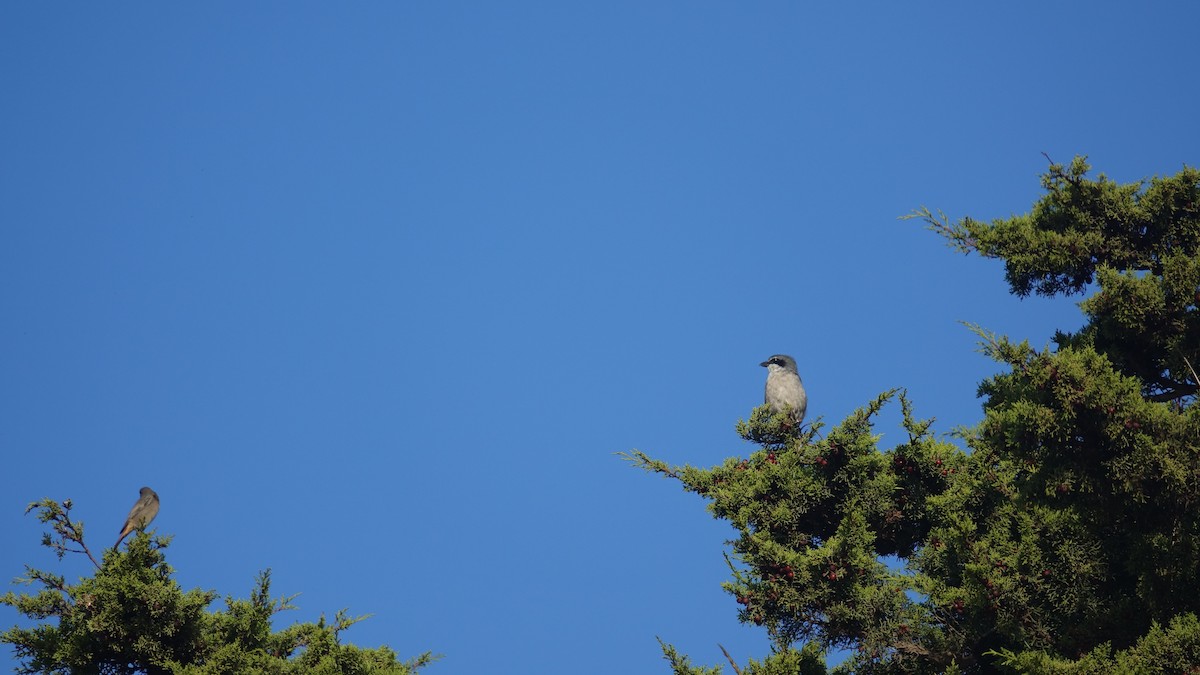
point(1172, 394)
point(911, 648)
point(421, 660)
point(680, 664)
point(999, 348)
point(643, 461)
point(132, 616)
point(342, 620)
point(959, 236)
point(1167, 389)
point(284, 603)
point(47, 579)
point(58, 516)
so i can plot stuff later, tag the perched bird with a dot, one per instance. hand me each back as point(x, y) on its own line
point(141, 514)
point(785, 391)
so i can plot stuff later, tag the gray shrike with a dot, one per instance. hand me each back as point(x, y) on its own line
point(785, 391)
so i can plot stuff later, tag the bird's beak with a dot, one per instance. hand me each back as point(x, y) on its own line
point(764, 364)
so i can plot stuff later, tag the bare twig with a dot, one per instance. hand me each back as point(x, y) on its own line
point(731, 661)
point(1195, 380)
point(75, 534)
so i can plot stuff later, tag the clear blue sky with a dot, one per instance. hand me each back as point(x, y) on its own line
point(371, 293)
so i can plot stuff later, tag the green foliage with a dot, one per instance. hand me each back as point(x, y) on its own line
point(807, 661)
point(132, 617)
point(1174, 649)
point(1066, 536)
point(682, 665)
point(1139, 242)
point(814, 516)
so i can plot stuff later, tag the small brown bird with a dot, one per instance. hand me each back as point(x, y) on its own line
point(141, 514)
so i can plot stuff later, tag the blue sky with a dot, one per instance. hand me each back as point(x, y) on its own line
point(371, 294)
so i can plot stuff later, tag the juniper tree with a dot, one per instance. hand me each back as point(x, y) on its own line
point(132, 617)
point(1064, 537)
